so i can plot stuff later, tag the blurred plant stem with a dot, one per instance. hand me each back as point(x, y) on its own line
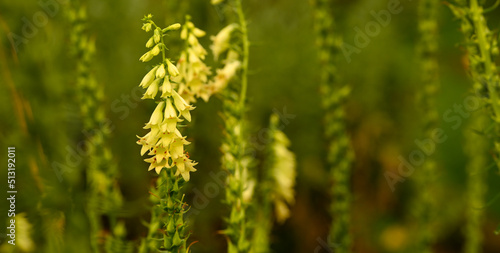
point(239, 188)
point(482, 50)
point(334, 94)
point(423, 206)
point(476, 148)
point(104, 198)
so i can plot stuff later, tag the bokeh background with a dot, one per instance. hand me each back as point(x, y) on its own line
point(40, 118)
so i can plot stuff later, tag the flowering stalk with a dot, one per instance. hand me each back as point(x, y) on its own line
point(104, 197)
point(239, 190)
point(482, 49)
point(194, 74)
point(275, 187)
point(340, 154)
point(476, 148)
point(164, 142)
point(422, 206)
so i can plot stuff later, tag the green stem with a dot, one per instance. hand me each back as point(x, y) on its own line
point(246, 45)
point(484, 47)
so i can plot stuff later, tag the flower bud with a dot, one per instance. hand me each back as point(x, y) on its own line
point(146, 27)
point(150, 43)
point(146, 57)
point(155, 51)
point(198, 32)
point(157, 35)
point(148, 78)
point(173, 27)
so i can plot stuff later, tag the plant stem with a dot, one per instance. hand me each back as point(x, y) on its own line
point(245, 56)
point(423, 205)
point(340, 154)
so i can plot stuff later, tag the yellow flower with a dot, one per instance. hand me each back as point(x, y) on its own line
point(152, 90)
point(160, 72)
point(221, 40)
point(157, 115)
point(148, 78)
point(172, 69)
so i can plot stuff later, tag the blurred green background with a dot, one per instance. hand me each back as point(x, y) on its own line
point(40, 118)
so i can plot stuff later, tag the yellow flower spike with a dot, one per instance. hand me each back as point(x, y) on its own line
point(164, 143)
point(148, 78)
point(160, 73)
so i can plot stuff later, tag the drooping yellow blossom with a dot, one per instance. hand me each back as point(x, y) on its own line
point(221, 41)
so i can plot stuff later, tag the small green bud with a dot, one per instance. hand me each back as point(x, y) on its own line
point(171, 226)
point(170, 204)
point(177, 239)
point(167, 243)
point(146, 27)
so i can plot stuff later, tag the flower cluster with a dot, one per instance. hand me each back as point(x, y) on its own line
point(164, 142)
point(193, 79)
point(283, 173)
point(221, 44)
